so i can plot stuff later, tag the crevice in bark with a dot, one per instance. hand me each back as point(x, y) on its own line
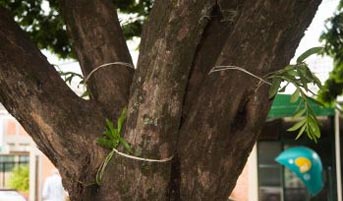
point(240, 119)
point(175, 180)
point(257, 43)
point(175, 175)
point(214, 17)
point(169, 41)
point(208, 50)
point(243, 117)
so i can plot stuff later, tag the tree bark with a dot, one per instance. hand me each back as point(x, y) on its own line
point(208, 122)
point(97, 38)
point(168, 46)
point(230, 109)
point(64, 126)
point(221, 22)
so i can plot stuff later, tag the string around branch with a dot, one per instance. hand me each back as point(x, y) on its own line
point(143, 159)
point(225, 68)
point(101, 170)
point(124, 64)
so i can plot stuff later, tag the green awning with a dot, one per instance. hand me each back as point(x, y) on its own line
point(282, 107)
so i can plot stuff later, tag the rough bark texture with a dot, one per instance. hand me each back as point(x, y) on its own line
point(63, 125)
point(231, 119)
point(97, 39)
point(209, 122)
point(221, 22)
point(263, 39)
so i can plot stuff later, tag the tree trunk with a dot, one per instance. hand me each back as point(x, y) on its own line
point(207, 122)
point(229, 121)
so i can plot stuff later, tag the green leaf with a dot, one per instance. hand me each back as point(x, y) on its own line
point(126, 145)
point(292, 73)
point(309, 52)
point(309, 133)
point(291, 79)
point(300, 113)
point(108, 134)
point(275, 87)
point(108, 144)
point(109, 125)
point(111, 140)
point(121, 120)
point(111, 131)
point(286, 69)
point(316, 81)
point(305, 73)
point(300, 76)
point(295, 96)
point(301, 131)
point(314, 127)
point(297, 125)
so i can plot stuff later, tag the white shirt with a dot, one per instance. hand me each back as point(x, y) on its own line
point(53, 189)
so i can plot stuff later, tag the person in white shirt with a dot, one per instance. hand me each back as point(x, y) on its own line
point(53, 189)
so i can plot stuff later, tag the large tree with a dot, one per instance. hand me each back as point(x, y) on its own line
point(207, 122)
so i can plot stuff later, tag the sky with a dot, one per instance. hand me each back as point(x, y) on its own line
point(321, 66)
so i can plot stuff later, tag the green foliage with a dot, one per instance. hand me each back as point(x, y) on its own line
point(19, 179)
point(112, 136)
point(69, 76)
point(309, 52)
point(333, 46)
point(47, 29)
point(309, 123)
point(140, 10)
point(111, 140)
point(300, 76)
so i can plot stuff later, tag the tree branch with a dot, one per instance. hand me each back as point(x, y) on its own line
point(221, 23)
point(63, 125)
point(169, 42)
point(225, 117)
point(97, 39)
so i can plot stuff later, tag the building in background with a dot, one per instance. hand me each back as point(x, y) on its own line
point(17, 148)
point(266, 180)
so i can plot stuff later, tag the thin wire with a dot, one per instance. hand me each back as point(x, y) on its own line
point(105, 65)
point(143, 159)
point(224, 68)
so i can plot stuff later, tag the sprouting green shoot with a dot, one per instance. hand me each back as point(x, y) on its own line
point(111, 140)
point(300, 76)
